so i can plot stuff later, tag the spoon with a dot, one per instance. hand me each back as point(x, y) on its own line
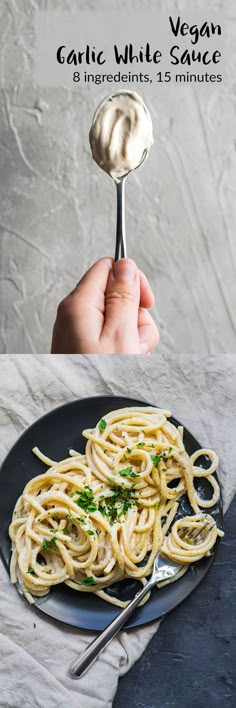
point(120, 247)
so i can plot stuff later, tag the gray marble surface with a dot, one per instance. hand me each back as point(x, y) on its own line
point(57, 211)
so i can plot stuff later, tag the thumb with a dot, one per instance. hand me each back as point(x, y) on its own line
point(122, 299)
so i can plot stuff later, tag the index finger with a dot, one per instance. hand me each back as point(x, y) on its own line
point(92, 287)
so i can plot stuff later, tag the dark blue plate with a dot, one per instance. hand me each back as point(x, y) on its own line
point(55, 433)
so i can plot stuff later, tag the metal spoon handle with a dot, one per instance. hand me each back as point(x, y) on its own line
point(121, 250)
point(89, 656)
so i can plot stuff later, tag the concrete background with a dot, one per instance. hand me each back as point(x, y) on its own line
point(57, 212)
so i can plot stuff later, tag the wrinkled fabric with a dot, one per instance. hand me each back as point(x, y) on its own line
point(201, 392)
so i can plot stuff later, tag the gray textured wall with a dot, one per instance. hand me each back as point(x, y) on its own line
point(57, 212)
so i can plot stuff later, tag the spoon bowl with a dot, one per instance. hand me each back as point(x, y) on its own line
point(119, 179)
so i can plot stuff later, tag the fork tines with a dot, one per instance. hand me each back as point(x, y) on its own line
point(190, 535)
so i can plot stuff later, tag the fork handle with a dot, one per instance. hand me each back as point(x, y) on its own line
point(121, 250)
point(79, 667)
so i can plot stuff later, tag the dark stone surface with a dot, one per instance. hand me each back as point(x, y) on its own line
point(191, 661)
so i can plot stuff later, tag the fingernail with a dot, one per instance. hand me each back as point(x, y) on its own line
point(124, 269)
point(143, 347)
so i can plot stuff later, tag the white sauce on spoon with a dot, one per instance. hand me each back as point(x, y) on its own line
point(120, 134)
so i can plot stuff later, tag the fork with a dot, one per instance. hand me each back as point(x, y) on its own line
point(163, 569)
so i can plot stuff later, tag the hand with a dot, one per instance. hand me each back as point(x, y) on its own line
point(107, 312)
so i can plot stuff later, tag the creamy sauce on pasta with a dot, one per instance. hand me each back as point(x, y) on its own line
point(97, 518)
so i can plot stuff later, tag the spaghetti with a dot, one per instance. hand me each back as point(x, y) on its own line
point(94, 519)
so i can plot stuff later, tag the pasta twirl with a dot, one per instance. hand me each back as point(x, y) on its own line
point(94, 519)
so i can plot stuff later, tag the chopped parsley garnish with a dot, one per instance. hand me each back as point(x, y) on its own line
point(102, 509)
point(90, 533)
point(92, 507)
point(30, 570)
point(79, 518)
point(128, 473)
point(89, 580)
point(49, 545)
point(86, 499)
point(121, 500)
point(66, 530)
point(157, 458)
point(141, 444)
point(102, 425)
